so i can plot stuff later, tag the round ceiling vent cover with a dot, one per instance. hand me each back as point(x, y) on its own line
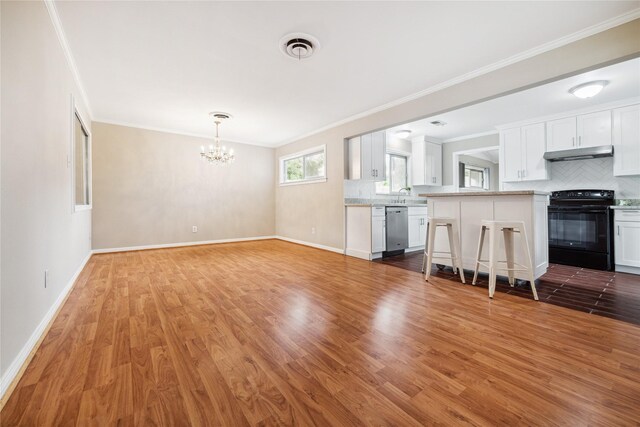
point(299, 45)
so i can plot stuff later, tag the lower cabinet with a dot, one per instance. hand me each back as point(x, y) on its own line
point(627, 240)
point(378, 233)
point(417, 226)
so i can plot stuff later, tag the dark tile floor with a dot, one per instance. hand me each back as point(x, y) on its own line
point(604, 293)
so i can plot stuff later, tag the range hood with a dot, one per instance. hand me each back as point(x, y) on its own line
point(579, 153)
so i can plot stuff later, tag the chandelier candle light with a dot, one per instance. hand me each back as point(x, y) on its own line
point(217, 154)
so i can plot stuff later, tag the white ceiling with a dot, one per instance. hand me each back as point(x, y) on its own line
point(166, 65)
point(549, 99)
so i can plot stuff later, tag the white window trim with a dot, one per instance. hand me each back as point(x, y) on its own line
point(409, 171)
point(75, 112)
point(317, 180)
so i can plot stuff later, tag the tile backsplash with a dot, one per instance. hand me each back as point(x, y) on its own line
point(583, 174)
point(361, 189)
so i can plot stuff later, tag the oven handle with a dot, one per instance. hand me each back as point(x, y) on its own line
point(577, 210)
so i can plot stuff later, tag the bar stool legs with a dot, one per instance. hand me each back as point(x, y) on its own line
point(508, 228)
point(454, 246)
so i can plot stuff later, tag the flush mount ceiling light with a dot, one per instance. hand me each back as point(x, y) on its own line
point(404, 133)
point(438, 123)
point(299, 45)
point(589, 89)
point(216, 154)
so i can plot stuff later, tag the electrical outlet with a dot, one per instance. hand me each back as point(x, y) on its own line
point(313, 230)
point(46, 278)
point(194, 229)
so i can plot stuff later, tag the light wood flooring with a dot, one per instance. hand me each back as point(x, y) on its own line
point(273, 333)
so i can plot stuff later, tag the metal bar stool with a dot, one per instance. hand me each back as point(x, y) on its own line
point(508, 229)
point(454, 245)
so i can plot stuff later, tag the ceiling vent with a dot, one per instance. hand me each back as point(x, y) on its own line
point(438, 123)
point(299, 45)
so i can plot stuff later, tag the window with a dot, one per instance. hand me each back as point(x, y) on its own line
point(81, 163)
point(397, 175)
point(476, 177)
point(304, 167)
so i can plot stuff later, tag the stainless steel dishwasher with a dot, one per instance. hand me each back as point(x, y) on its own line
point(397, 223)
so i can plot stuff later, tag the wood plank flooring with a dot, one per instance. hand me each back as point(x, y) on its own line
point(604, 293)
point(273, 333)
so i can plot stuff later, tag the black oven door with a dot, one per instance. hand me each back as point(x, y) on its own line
point(579, 228)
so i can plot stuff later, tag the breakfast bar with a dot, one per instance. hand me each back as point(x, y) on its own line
point(470, 208)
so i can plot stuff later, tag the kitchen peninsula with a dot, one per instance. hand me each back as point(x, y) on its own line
point(470, 208)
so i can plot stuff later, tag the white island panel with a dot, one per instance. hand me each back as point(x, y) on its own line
point(471, 208)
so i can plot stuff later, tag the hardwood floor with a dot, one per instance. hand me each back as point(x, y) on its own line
point(604, 293)
point(273, 333)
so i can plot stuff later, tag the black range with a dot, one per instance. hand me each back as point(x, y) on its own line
point(581, 228)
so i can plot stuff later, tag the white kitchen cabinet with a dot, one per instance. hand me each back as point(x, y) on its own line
point(378, 232)
point(627, 240)
point(365, 231)
point(594, 129)
point(417, 226)
point(511, 150)
point(534, 166)
point(561, 134)
point(426, 162)
point(367, 157)
point(586, 130)
point(626, 141)
point(522, 150)
point(378, 153)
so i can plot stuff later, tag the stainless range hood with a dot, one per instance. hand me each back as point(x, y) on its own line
point(579, 153)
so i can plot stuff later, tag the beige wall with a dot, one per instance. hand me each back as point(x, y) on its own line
point(298, 208)
point(151, 187)
point(39, 230)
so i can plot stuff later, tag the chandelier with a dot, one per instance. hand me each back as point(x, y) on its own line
point(217, 154)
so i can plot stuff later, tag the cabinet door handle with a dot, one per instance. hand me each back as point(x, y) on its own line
point(524, 173)
point(618, 230)
point(573, 141)
point(519, 173)
point(579, 141)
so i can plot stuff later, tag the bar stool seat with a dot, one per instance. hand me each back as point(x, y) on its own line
point(508, 229)
point(454, 245)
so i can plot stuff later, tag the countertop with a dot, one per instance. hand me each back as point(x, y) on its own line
point(629, 207)
point(381, 205)
point(488, 193)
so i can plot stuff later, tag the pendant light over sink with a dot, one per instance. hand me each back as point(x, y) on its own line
point(217, 154)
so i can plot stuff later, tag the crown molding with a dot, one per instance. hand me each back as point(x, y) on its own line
point(177, 132)
point(546, 47)
point(57, 26)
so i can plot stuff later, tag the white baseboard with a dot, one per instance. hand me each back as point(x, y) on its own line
point(180, 244)
point(18, 362)
point(627, 269)
point(358, 254)
point(414, 249)
point(313, 245)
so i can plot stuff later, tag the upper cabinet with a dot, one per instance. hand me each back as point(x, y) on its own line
point(626, 140)
point(426, 162)
point(366, 157)
point(594, 129)
point(561, 134)
point(521, 153)
point(586, 130)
